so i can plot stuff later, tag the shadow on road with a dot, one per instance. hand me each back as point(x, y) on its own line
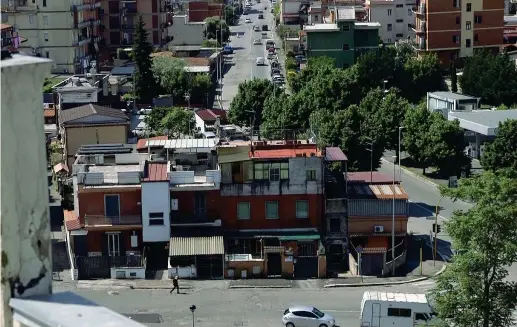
point(421, 210)
point(227, 67)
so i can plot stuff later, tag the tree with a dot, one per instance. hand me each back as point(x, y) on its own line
point(210, 43)
point(213, 29)
point(154, 119)
point(315, 67)
point(229, 15)
point(473, 290)
point(492, 77)
point(278, 116)
point(248, 103)
point(454, 77)
point(414, 138)
point(179, 122)
point(171, 76)
point(502, 152)
point(290, 63)
point(145, 86)
point(199, 86)
point(422, 75)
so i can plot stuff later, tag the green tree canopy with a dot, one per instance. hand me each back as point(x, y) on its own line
point(414, 137)
point(454, 77)
point(154, 119)
point(473, 290)
point(502, 152)
point(145, 85)
point(171, 76)
point(318, 66)
point(279, 115)
point(178, 122)
point(422, 75)
point(492, 77)
point(229, 15)
point(248, 103)
point(213, 29)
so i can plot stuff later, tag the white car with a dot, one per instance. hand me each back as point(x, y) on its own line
point(247, 21)
point(260, 61)
point(301, 316)
point(257, 41)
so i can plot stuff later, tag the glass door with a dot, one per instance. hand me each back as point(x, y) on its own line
point(114, 245)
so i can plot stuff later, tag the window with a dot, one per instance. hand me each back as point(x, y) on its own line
point(304, 314)
point(468, 25)
point(45, 20)
point(420, 317)
point(456, 39)
point(400, 35)
point(397, 312)
point(311, 174)
point(409, 27)
point(156, 218)
point(113, 244)
point(45, 35)
point(389, 12)
point(274, 172)
point(47, 54)
point(316, 18)
point(31, 19)
point(243, 210)
point(271, 209)
point(400, 6)
point(456, 3)
point(346, 47)
point(302, 209)
point(469, 7)
point(468, 43)
point(458, 20)
point(389, 27)
point(409, 12)
point(44, 3)
point(389, 40)
point(476, 38)
point(478, 19)
point(400, 20)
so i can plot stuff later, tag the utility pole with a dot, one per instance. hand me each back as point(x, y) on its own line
point(393, 224)
point(399, 155)
point(371, 156)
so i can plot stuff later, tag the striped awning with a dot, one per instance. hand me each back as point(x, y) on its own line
point(188, 246)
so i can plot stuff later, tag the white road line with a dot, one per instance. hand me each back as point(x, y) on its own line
point(336, 311)
point(428, 210)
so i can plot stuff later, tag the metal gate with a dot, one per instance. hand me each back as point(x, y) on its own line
point(306, 267)
point(274, 264)
point(209, 266)
point(93, 267)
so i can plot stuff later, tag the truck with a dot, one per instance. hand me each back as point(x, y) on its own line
point(383, 309)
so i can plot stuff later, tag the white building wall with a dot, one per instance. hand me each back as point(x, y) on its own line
point(200, 123)
point(156, 198)
point(291, 7)
point(388, 13)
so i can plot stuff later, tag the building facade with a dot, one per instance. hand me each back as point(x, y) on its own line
point(10, 39)
point(341, 37)
point(66, 32)
point(453, 29)
point(396, 18)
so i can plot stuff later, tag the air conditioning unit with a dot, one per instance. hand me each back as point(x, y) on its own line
point(378, 229)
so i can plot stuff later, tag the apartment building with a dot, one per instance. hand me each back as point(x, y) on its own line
point(454, 28)
point(10, 39)
point(312, 12)
point(395, 16)
point(66, 32)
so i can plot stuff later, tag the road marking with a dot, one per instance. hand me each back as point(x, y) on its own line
point(426, 209)
point(336, 311)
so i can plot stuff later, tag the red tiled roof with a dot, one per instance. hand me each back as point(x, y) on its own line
point(155, 172)
point(59, 167)
point(371, 178)
point(334, 154)
point(71, 220)
point(142, 143)
point(47, 113)
point(284, 153)
point(211, 114)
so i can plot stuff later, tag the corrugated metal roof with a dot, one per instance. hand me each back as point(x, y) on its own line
point(367, 177)
point(334, 154)
point(377, 191)
point(187, 246)
point(155, 172)
point(191, 144)
point(69, 115)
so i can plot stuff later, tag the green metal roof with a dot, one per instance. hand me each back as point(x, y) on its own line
point(299, 238)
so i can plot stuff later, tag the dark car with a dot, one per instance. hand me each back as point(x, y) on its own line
point(275, 71)
point(264, 27)
point(261, 16)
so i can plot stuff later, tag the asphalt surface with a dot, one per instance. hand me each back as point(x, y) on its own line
point(239, 308)
point(241, 65)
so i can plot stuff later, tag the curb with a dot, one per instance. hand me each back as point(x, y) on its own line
point(248, 287)
point(158, 288)
point(409, 172)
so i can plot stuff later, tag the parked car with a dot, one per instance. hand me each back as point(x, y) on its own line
point(307, 317)
point(257, 41)
point(260, 16)
point(299, 58)
point(275, 71)
point(270, 44)
point(247, 21)
point(265, 27)
point(256, 29)
point(260, 61)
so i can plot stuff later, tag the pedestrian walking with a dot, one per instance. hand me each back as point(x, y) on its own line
point(176, 285)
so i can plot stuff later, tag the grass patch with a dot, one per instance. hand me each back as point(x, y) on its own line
point(50, 82)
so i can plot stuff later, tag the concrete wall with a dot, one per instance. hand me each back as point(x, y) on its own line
point(353, 266)
point(239, 266)
point(128, 273)
point(155, 198)
point(367, 224)
point(75, 137)
point(388, 13)
point(185, 33)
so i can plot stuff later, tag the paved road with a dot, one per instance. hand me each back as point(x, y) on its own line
point(241, 65)
point(240, 308)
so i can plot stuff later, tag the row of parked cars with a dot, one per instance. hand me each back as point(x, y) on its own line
point(276, 70)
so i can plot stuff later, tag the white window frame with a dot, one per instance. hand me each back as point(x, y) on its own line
point(311, 174)
point(274, 174)
point(31, 19)
point(266, 213)
point(45, 36)
point(156, 217)
point(248, 215)
point(468, 25)
point(303, 215)
point(389, 12)
point(389, 27)
point(45, 20)
point(114, 244)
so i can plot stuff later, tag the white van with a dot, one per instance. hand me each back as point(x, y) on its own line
point(382, 309)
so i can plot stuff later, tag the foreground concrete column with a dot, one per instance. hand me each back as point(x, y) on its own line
point(24, 222)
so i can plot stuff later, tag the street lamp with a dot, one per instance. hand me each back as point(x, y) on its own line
point(393, 224)
point(384, 86)
point(437, 209)
point(192, 309)
point(371, 156)
point(400, 169)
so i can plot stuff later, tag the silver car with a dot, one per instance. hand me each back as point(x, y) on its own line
point(301, 316)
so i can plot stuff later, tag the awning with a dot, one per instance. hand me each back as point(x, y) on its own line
point(188, 246)
point(299, 238)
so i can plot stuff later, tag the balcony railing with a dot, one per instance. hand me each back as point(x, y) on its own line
point(94, 220)
point(127, 261)
point(191, 218)
point(81, 40)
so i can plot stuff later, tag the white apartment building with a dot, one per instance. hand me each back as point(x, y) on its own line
point(395, 16)
point(64, 31)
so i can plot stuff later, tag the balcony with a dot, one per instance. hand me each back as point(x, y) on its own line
point(6, 42)
point(96, 38)
point(180, 218)
point(196, 177)
point(81, 40)
point(420, 10)
point(420, 45)
point(420, 27)
point(83, 24)
point(100, 220)
point(336, 206)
